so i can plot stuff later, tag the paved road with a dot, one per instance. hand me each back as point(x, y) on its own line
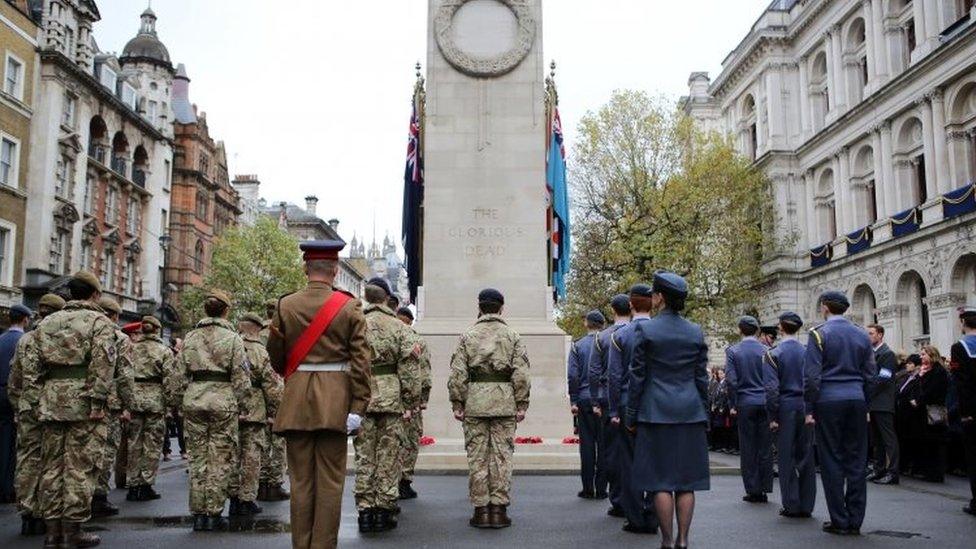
point(548, 514)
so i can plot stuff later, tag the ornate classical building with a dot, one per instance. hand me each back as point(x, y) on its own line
point(101, 157)
point(863, 114)
point(383, 263)
point(204, 203)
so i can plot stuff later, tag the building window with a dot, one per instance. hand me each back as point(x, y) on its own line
point(872, 203)
point(108, 78)
point(163, 222)
point(59, 252)
point(108, 269)
point(202, 206)
point(69, 42)
point(62, 183)
point(9, 160)
point(132, 220)
point(112, 206)
point(86, 256)
point(129, 95)
point(910, 40)
point(204, 164)
point(921, 184)
point(89, 204)
point(68, 113)
point(151, 113)
point(198, 257)
point(13, 77)
point(130, 276)
point(6, 253)
point(167, 175)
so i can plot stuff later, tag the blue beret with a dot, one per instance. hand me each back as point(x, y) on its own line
point(747, 320)
point(620, 303)
point(641, 290)
point(596, 317)
point(791, 318)
point(380, 283)
point(491, 295)
point(21, 310)
point(834, 296)
point(967, 312)
point(313, 250)
point(669, 283)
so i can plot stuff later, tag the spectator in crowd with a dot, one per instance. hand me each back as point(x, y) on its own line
point(906, 429)
point(928, 414)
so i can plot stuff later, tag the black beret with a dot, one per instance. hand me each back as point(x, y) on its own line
point(405, 311)
point(596, 317)
point(769, 330)
point(791, 318)
point(620, 303)
point(747, 320)
point(834, 296)
point(380, 283)
point(491, 295)
point(641, 290)
point(666, 282)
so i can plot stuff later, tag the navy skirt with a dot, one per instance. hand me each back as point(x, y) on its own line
point(671, 458)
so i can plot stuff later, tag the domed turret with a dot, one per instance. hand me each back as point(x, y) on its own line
point(146, 47)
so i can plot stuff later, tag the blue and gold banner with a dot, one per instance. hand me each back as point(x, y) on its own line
point(821, 256)
point(859, 240)
point(906, 222)
point(959, 202)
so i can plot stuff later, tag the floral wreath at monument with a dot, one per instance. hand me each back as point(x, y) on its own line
point(484, 67)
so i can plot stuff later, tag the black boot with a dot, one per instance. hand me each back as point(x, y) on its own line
point(199, 523)
point(235, 507)
point(384, 521)
point(134, 493)
point(101, 507)
point(149, 494)
point(38, 526)
point(215, 523)
point(26, 524)
point(367, 521)
point(406, 490)
point(249, 509)
point(263, 491)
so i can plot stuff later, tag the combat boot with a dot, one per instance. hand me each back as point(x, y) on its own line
point(215, 523)
point(367, 521)
point(149, 494)
point(120, 481)
point(235, 507)
point(385, 520)
point(276, 492)
point(55, 535)
point(38, 527)
point(480, 519)
point(263, 492)
point(134, 493)
point(406, 490)
point(102, 507)
point(249, 509)
point(199, 523)
point(26, 524)
point(498, 516)
point(74, 536)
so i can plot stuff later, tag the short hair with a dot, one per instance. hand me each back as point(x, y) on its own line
point(374, 295)
point(877, 328)
point(620, 309)
point(835, 308)
point(17, 316)
point(489, 307)
point(789, 328)
point(322, 266)
point(748, 329)
point(393, 302)
point(641, 304)
point(673, 302)
point(214, 308)
point(969, 322)
point(80, 290)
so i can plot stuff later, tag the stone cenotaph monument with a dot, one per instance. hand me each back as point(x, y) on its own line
point(485, 198)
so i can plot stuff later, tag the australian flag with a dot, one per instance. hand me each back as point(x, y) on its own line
point(413, 199)
point(556, 181)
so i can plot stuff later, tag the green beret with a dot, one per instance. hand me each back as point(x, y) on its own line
point(253, 318)
point(219, 296)
point(89, 279)
point(153, 321)
point(51, 301)
point(109, 305)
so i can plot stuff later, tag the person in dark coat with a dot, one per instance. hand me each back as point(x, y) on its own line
point(928, 400)
point(666, 409)
point(905, 381)
point(962, 363)
point(19, 317)
point(592, 463)
point(882, 410)
point(839, 372)
point(747, 395)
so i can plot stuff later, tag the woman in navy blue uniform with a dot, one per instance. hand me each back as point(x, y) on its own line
point(666, 409)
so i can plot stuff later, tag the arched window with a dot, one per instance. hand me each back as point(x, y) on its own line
point(819, 92)
point(856, 49)
point(751, 145)
point(910, 164)
point(198, 256)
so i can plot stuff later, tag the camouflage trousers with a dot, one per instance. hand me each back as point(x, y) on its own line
point(377, 467)
point(146, 432)
point(113, 434)
point(253, 439)
point(410, 445)
point(70, 457)
point(273, 460)
point(28, 470)
point(211, 440)
point(490, 443)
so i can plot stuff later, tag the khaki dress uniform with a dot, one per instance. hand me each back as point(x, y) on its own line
point(315, 406)
point(152, 365)
point(489, 381)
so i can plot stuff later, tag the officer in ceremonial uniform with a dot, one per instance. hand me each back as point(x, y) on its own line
point(262, 403)
point(211, 380)
point(784, 401)
point(327, 388)
point(395, 393)
point(962, 364)
point(747, 396)
point(489, 392)
point(839, 371)
point(414, 428)
point(271, 487)
point(152, 365)
point(640, 518)
point(68, 370)
point(597, 374)
point(28, 428)
point(592, 460)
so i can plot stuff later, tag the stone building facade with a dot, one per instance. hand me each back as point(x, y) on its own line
point(18, 45)
point(863, 115)
point(248, 188)
point(204, 204)
point(101, 158)
point(383, 263)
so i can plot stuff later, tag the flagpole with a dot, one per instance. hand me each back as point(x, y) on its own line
point(420, 103)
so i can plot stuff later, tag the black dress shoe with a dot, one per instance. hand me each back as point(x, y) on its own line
point(615, 511)
point(586, 494)
point(755, 498)
point(794, 514)
point(887, 479)
point(633, 529)
point(601, 495)
point(873, 475)
point(831, 528)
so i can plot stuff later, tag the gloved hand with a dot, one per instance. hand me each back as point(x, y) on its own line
point(353, 423)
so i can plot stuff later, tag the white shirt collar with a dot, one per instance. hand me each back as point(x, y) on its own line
point(641, 315)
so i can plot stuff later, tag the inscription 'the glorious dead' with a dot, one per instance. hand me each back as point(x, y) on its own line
point(486, 228)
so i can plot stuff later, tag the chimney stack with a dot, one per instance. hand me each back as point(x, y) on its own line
point(310, 203)
point(334, 224)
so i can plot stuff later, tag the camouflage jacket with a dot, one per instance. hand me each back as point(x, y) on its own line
point(211, 373)
point(489, 371)
point(123, 386)
point(152, 365)
point(265, 333)
point(395, 366)
point(264, 395)
point(69, 363)
point(425, 371)
point(15, 381)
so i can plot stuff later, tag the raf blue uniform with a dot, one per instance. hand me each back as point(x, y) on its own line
point(839, 370)
point(784, 402)
point(8, 428)
point(597, 373)
point(592, 471)
point(744, 376)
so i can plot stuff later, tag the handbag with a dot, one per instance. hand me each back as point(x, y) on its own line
point(936, 414)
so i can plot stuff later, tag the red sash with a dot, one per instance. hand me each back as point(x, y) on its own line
point(314, 331)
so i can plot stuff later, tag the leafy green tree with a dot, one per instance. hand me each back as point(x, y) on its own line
point(651, 191)
point(253, 265)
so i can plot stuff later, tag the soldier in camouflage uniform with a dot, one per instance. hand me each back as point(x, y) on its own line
point(262, 404)
point(489, 392)
point(152, 365)
point(395, 390)
point(211, 381)
point(271, 487)
point(28, 429)
point(119, 404)
point(68, 369)
point(414, 428)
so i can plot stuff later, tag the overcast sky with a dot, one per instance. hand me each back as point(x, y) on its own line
point(313, 96)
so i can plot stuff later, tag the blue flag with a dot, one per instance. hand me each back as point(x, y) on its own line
point(556, 180)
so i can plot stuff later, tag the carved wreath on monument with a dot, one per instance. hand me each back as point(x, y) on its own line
point(478, 66)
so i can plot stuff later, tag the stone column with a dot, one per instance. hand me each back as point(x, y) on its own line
point(928, 143)
point(960, 163)
point(933, 21)
point(944, 319)
point(944, 181)
point(840, 73)
point(810, 210)
point(880, 181)
point(870, 48)
point(833, 98)
point(890, 190)
point(880, 44)
point(844, 198)
point(921, 42)
point(775, 123)
point(806, 116)
point(891, 317)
